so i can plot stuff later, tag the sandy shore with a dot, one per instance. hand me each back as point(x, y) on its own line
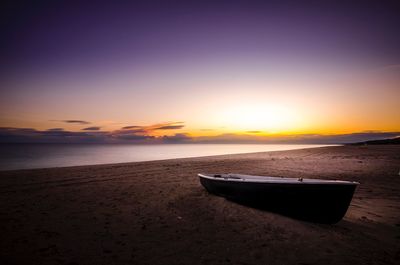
point(158, 213)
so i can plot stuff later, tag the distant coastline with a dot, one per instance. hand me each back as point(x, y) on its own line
point(395, 140)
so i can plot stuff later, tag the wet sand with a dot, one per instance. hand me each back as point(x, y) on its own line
point(158, 213)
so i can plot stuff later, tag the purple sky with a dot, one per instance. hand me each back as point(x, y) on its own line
point(68, 34)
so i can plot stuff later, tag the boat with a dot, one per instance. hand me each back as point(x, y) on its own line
point(316, 200)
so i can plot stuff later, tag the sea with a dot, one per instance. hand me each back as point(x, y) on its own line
point(29, 156)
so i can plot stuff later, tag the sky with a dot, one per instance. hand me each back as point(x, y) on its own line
point(199, 71)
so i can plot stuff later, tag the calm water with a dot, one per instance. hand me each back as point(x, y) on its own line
point(24, 156)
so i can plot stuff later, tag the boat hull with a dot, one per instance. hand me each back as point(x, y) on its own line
point(323, 203)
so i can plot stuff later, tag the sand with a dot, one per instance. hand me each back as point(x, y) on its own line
point(158, 213)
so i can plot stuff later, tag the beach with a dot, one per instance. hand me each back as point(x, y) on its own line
point(158, 213)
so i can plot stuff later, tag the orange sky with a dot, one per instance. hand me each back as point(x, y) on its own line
point(257, 103)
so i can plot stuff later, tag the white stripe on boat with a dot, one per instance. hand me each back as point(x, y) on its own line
point(265, 179)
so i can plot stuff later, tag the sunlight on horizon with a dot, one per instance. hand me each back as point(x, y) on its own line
point(268, 118)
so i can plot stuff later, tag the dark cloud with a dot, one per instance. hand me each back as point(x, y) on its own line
point(21, 130)
point(177, 138)
point(131, 127)
point(75, 121)
point(169, 127)
point(29, 135)
point(62, 133)
point(131, 131)
point(133, 137)
point(58, 135)
point(94, 128)
point(253, 131)
point(136, 135)
point(15, 135)
point(161, 126)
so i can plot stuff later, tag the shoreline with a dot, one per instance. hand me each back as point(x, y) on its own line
point(156, 212)
point(298, 147)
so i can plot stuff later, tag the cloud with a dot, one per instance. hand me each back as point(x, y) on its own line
point(94, 128)
point(61, 133)
point(253, 131)
point(131, 127)
point(134, 137)
point(177, 138)
point(160, 126)
point(73, 121)
point(140, 135)
point(169, 127)
point(9, 134)
point(135, 134)
point(131, 131)
point(76, 121)
point(29, 135)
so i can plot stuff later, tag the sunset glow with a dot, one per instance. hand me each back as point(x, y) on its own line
point(257, 118)
point(272, 73)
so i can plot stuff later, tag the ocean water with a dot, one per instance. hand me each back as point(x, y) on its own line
point(28, 156)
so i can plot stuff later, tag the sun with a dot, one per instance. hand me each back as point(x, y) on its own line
point(269, 118)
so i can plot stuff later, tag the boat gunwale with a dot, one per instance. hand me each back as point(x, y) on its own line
point(275, 180)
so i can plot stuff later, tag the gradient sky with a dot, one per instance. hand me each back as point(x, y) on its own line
point(200, 69)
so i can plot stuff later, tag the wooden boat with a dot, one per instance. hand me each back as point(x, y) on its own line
point(323, 201)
